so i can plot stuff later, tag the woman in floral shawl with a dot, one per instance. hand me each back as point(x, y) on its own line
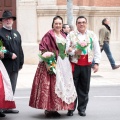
point(53, 92)
point(6, 94)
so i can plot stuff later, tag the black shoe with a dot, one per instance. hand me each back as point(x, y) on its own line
point(2, 114)
point(70, 113)
point(10, 111)
point(55, 114)
point(82, 113)
point(115, 67)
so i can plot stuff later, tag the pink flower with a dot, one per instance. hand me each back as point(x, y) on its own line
point(50, 60)
point(83, 43)
point(47, 54)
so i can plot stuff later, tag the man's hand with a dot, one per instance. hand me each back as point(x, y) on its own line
point(14, 56)
point(95, 68)
point(101, 47)
point(78, 52)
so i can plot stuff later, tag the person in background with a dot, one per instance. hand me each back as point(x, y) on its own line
point(66, 29)
point(6, 93)
point(71, 27)
point(104, 39)
point(81, 60)
point(14, 58)
point(56, 91)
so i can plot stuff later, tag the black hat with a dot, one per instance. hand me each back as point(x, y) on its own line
point(7, 14)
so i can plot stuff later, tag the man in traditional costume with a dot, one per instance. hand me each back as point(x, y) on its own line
point(14, 58)
point(82, 46)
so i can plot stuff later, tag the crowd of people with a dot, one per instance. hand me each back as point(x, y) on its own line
point(73, 52)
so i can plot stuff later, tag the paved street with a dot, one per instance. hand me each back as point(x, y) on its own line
point(104, 96)
point(103, 105)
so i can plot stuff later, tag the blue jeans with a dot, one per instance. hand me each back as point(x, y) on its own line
point(106, 48)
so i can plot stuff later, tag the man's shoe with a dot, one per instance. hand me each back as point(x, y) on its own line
point(115, 67)
point(70, 113)
point(82, 113)
point(10, 111)
point(2, 114)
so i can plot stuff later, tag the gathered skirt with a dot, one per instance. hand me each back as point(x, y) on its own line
point(43, 95)
point(4, 104)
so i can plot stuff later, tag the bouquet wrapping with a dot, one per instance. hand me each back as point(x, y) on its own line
point(49, 59)
point(2, 48)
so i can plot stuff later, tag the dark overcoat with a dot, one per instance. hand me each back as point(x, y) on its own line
point(12, 42)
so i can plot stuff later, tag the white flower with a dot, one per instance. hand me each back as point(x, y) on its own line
point(15, 35)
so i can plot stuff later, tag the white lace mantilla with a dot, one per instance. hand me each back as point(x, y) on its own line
point(64, 87)
point(6, 83)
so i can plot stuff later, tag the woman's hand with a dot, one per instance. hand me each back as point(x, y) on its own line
point(1, 55)
point(48, 67)
point(70, 49)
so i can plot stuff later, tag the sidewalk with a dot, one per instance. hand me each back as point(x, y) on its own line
point(105, 75)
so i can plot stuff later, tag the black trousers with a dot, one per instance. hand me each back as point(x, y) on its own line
point(13, 78)
point(81, 77)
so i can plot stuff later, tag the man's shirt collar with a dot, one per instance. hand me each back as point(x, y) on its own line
point(81, 33)
point(7, 28)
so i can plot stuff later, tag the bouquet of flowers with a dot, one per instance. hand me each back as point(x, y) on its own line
point(2, 48)
point(49, 58)
point(82, 46)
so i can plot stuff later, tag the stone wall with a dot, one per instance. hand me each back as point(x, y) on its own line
point(27, 26)
point(34, 19)
point(102, 3)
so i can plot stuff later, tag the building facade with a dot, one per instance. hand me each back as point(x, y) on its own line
point(34, 19)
